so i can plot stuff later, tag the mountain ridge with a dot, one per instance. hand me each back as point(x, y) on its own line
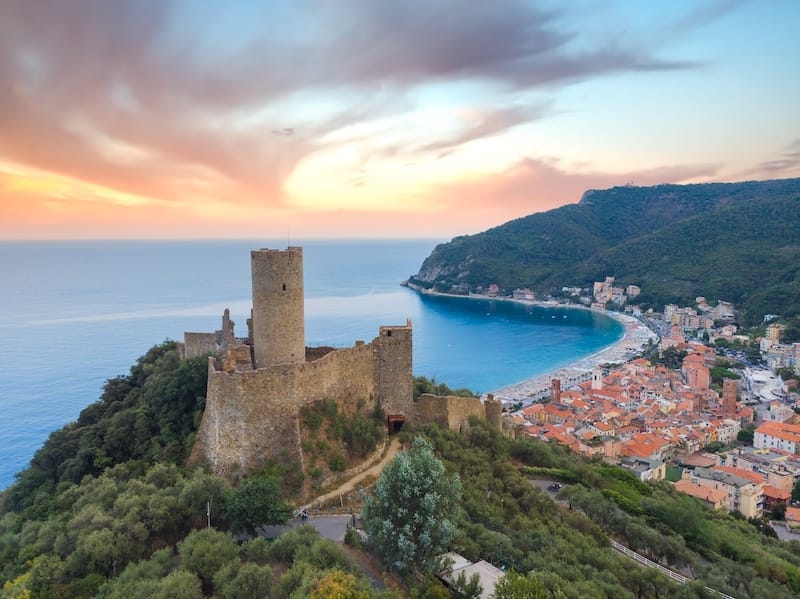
point(739, 235)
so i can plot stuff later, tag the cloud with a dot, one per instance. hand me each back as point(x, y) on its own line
point(479, 124)
point(701, 15)
point(188, 111)
point(787, 164)
point(469, 206)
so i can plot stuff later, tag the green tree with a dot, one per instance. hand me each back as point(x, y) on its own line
point(466, 588)
point(746, 436)
point(257, 501)
point(425, 385)
point(517, 586)
point(180, 585)
point(409, 516)
point(206, 551)
point(243, 580)
point(779, 511)
point(333, 584)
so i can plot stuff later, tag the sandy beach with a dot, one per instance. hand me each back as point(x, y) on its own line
point(635, 338)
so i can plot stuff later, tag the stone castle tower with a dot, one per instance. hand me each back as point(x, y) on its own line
point(258, 384)
point(278, 318)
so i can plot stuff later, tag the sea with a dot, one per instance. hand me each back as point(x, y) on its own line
point(75, 313)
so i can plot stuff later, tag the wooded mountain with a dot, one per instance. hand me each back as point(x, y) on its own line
point(738, 242)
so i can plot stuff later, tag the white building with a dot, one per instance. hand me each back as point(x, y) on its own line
point(778, 435)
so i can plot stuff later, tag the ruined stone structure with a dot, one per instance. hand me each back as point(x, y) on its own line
point(257, 385)
point(201, 344)
point(454, 412)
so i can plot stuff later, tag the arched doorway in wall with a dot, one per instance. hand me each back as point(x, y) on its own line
point(395, 423)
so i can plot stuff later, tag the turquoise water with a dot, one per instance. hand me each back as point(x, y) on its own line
point(77, 313)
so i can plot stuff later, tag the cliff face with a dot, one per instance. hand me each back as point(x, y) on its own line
point(678, 239)
point(436, 267)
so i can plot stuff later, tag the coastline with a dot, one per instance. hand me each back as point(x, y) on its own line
point(634, 339)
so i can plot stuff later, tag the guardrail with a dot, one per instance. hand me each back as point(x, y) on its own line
point(680, 578)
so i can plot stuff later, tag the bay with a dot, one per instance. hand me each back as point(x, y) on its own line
point(75, 314)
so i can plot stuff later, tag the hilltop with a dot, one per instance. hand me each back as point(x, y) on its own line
point(107, 509)
point(730, 241)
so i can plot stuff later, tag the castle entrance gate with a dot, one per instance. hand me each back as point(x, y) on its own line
point(395, 423)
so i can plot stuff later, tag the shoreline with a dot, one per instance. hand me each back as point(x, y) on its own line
point(635, 337)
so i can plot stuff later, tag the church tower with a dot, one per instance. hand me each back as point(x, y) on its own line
point(278, 311)
point(555, 391)
point(597, 378)
point(729, 398)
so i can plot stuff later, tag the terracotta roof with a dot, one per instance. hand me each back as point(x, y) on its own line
point(700, 460)
point(776, 493)
point(694, 359)
point(781, 430)
point(793, 514)
point(749, 475)
point(709, 494)
point(533, 409)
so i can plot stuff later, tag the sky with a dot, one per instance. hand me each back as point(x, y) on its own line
point(375, 118)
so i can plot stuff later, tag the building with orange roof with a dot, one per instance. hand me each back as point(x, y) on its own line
point(697, 376)
point(741, 493)
point(557, 414)
point(714, 498)
point(535, 412)
point(778, 435)
point(645, 445)
point(748, 474)
point(793, 517)
point(773, 496)
point(781, 469)
point(562, 438)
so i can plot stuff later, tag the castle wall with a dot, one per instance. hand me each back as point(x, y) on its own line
point(251, 416)
point(203, 344)
point(278, 321)
point(199, 344)
point(449, 411)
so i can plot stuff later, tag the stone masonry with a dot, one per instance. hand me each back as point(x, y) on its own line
point(257, 385)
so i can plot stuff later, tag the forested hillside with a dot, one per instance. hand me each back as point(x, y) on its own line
point(731, 241)
point(108, 510)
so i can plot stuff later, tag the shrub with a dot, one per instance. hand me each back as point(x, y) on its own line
point(337, 462)
point(310, 419)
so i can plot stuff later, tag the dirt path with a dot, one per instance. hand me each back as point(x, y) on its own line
point(374, 470)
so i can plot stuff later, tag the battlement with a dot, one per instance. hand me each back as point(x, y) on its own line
point(397, 331)
point(257, 386)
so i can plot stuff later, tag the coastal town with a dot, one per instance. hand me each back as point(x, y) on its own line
point(721, 424)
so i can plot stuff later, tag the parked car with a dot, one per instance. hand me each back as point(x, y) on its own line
point(554, 487)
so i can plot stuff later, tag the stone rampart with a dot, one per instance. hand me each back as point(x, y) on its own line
point(204, 344)
point(251, 416)
point(450, 411)
point(198, 344)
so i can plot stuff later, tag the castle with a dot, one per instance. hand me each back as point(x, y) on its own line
point(257, 384)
